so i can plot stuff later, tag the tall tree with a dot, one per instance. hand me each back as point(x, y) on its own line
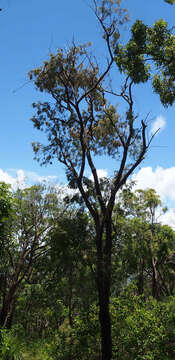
point(81, 123)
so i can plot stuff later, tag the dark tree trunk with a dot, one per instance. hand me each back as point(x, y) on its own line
point(4, 313)
point(140, 282)
point(8, 307)
point(105, 322)
point(70, 299)
point(70, 311)
point(104, 284)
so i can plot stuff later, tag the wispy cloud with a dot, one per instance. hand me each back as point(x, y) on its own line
point(36, 178)
point(158, 125)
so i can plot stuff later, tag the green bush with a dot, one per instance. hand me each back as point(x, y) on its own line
point(81, 342)
point(141, 330)
point(11, 345)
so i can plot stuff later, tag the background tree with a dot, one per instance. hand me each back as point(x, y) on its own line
point(32, 217)
point(150, 48)
point(147, 247)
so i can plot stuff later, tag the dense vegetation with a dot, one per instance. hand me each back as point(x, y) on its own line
point(48, 295)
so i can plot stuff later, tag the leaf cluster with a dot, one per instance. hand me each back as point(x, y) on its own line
point(150, 54)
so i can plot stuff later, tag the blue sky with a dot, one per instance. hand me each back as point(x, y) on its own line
point(29, 31)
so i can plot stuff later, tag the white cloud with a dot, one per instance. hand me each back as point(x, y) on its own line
point(17, 181)
point(158, 125)
point(101, 174)
point(4, 176)
point(64, 191)
point(22, 178)
point(168, 218)
point(163, 181)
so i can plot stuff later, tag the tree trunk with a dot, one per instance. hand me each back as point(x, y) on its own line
point(7, 306)
point(104, 284)
point(140, 282)
point(4, 313)
point(105, 322)
point(70, 311)
point(70, 298)
point(155, 280)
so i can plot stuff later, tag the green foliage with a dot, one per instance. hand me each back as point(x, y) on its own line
point(148, 49)
point(65, 325)
point(143, 330)
point(171, 2)
point(82, 341)
point(12, 343)
point(35, 350)
point(146, 247)
point(130, 59)
point(6, 201)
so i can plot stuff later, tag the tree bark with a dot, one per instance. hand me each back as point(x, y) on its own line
point(155, 280)
point(104, 284)
point(105, 322)
point(140, 282)
point(7, 306)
